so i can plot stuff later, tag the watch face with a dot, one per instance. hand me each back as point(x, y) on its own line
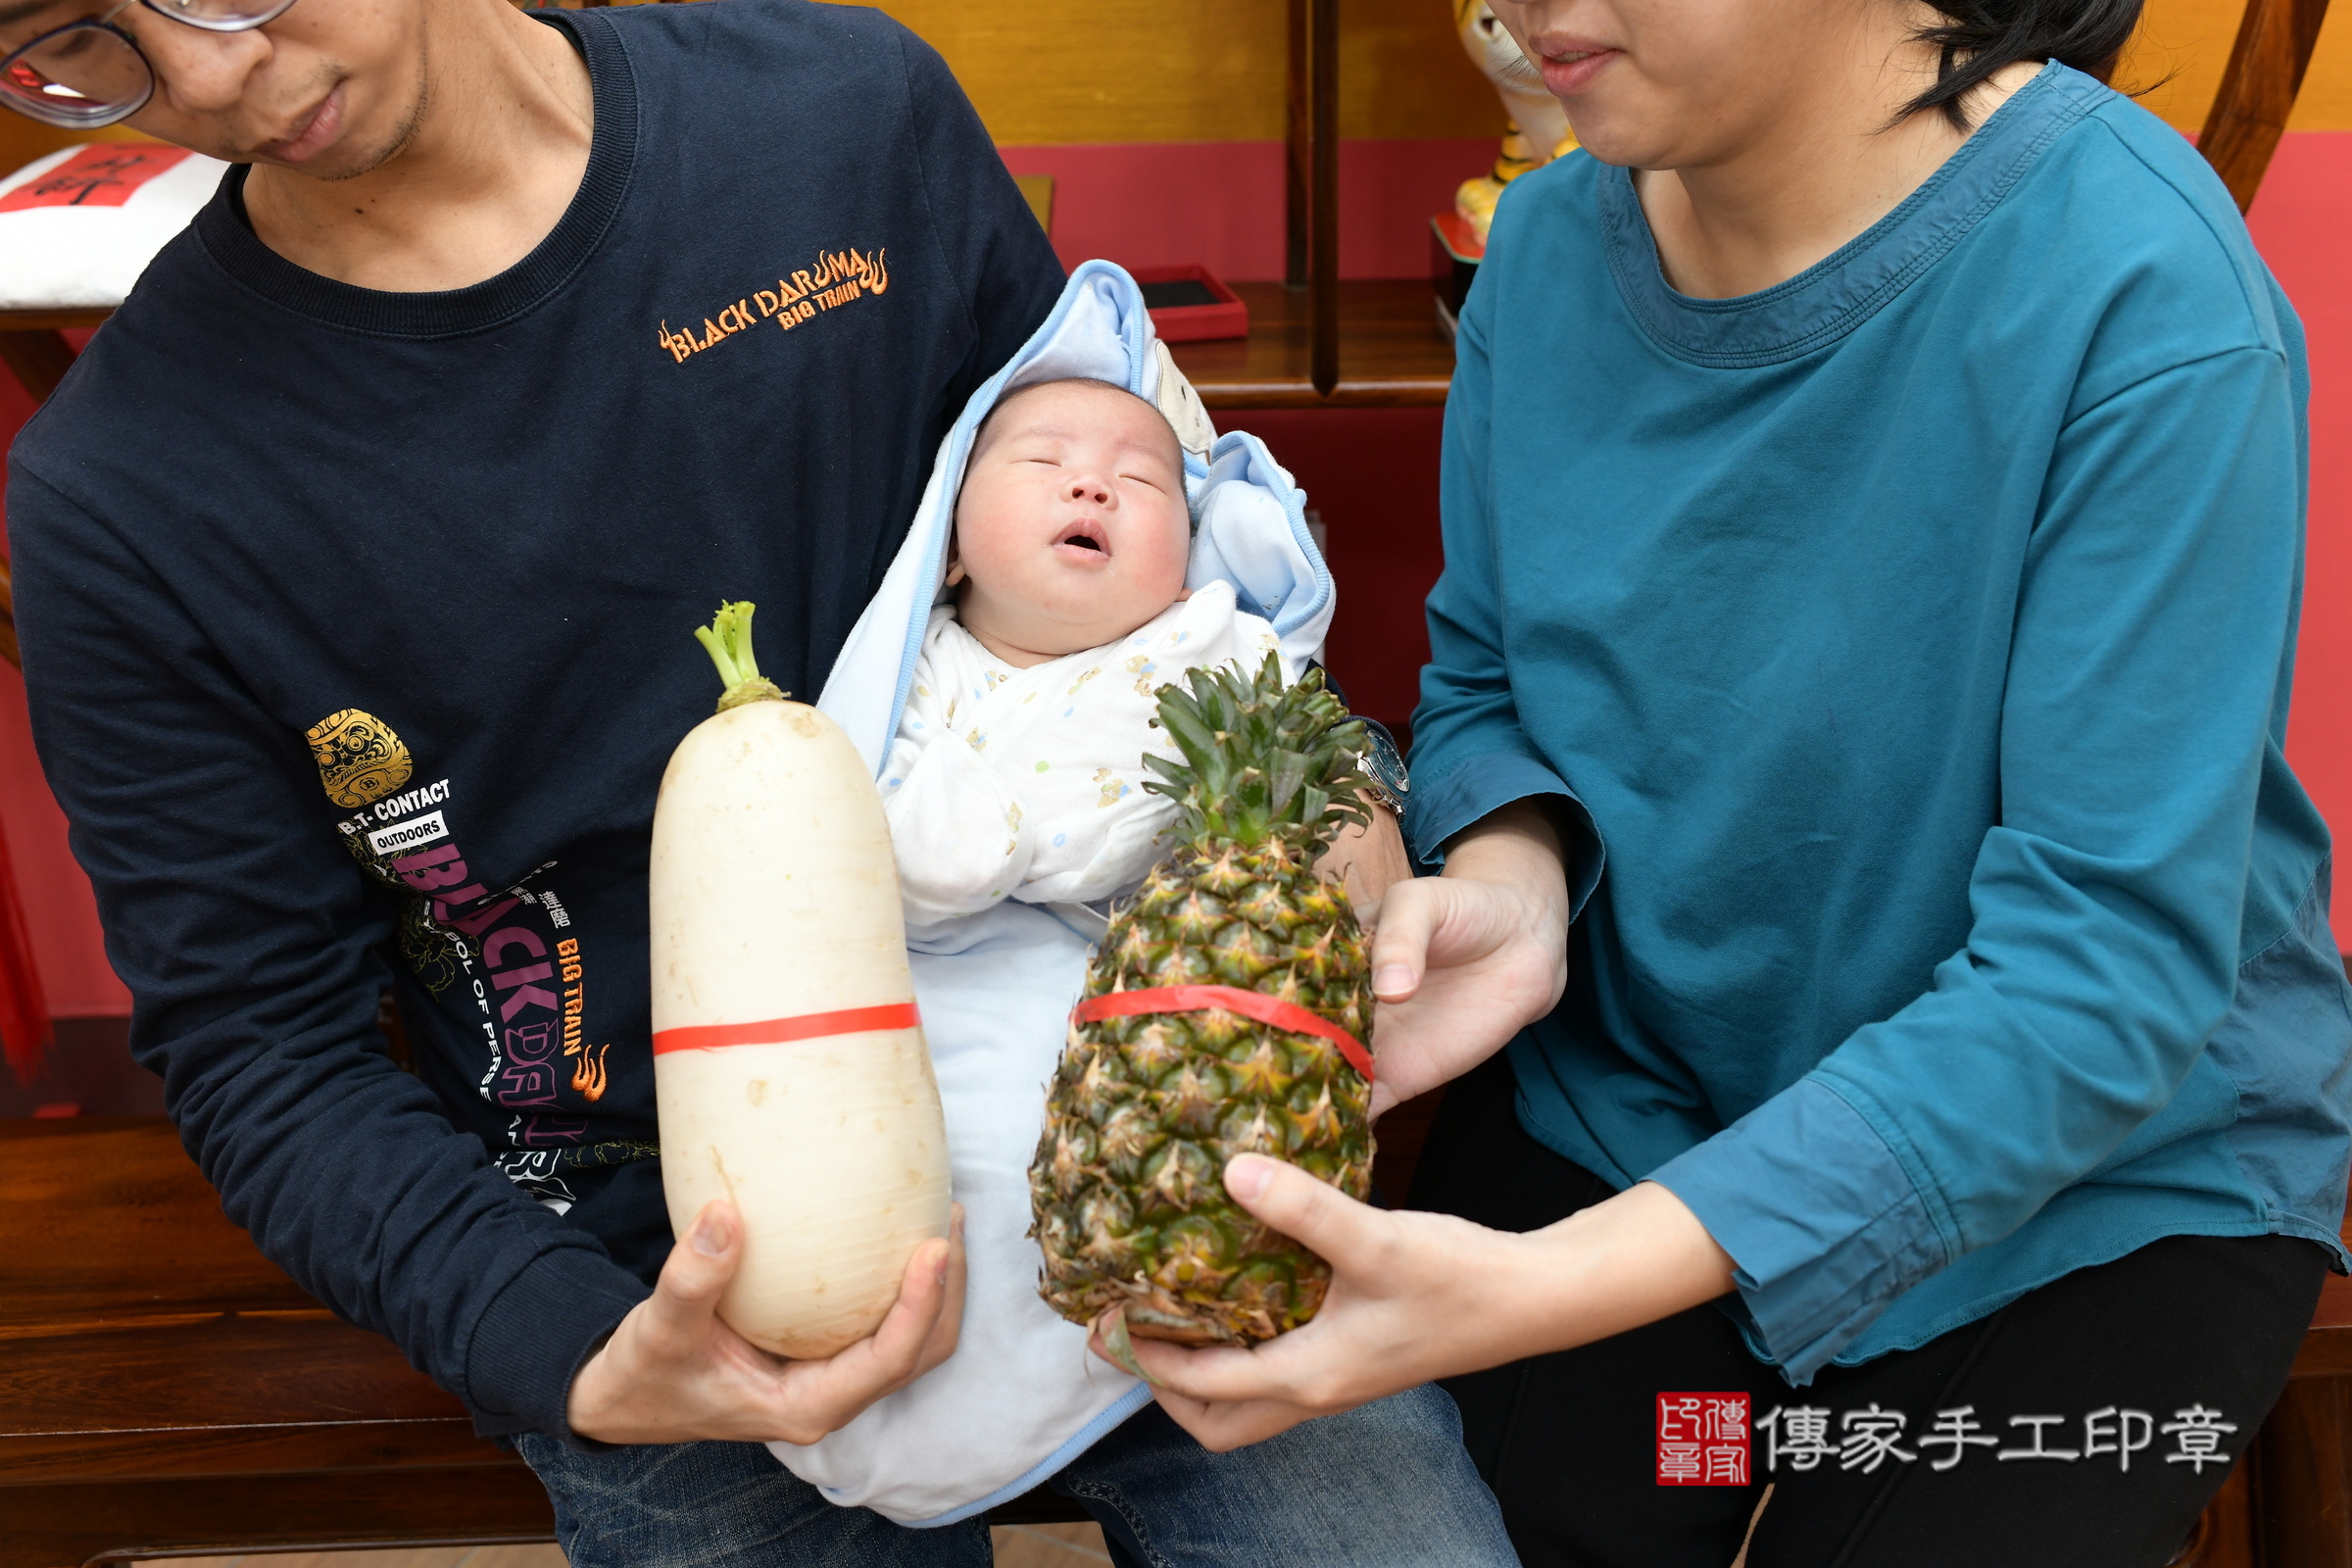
point(1386, 768)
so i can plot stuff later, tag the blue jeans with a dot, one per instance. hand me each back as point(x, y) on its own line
point(1386, 1486)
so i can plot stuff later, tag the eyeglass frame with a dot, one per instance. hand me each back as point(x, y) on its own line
point(104, 22)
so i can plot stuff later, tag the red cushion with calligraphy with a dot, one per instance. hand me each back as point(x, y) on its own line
point(77, 228)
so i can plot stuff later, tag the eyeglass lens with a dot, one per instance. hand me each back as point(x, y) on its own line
point(92, 75)
point(81, 77)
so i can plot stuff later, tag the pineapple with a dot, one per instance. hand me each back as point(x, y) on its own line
point(1143, 1110)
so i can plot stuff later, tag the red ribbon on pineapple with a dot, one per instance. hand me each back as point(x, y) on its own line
point(1232, 999)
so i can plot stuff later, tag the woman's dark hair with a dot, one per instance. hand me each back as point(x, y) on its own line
point(1978, 37)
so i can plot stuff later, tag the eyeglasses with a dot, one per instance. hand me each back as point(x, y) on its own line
point(90, 72)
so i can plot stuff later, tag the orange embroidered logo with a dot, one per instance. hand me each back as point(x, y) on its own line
point(837, 279)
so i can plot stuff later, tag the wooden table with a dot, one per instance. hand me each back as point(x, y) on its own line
point(1392, 354)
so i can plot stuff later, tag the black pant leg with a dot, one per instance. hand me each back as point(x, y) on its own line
point(1568, 1442)
point(2184, 1325)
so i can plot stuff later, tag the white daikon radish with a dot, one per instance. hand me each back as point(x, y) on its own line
point(788, 1065)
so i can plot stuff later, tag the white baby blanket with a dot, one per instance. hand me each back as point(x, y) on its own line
point(1022, 1396)
point(1029, 783)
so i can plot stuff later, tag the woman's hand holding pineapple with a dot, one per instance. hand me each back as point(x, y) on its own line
point(1463, 961)
point(1415, 1297)
point(673, 1372)
point(1460, 964)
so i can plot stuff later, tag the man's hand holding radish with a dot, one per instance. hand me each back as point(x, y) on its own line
point(673, 1372)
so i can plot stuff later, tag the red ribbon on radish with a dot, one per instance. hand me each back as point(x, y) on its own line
point(776, 1031)
point(1232, 999)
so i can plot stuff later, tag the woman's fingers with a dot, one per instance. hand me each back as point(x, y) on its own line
point(1223, 1428)
point(1441, 923)
point(1407, 918)
point(1342, 1230)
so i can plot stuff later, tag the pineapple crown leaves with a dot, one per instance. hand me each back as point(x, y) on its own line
point(1261, 760)
point(728, 642)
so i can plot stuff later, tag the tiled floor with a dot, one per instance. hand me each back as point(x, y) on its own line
point(1017, 1546)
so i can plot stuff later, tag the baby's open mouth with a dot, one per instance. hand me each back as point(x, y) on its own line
point(1086, 534)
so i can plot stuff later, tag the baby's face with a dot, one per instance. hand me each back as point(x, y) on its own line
point(1071, 529)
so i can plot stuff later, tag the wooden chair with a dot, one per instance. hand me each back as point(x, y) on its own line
point(164, 1389)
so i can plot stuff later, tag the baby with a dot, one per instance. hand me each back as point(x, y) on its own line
point(1017, 768)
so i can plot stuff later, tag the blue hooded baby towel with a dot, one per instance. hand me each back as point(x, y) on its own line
point(1022, 1396)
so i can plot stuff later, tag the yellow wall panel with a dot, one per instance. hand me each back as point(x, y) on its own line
point(1108, 70)
point(2183, 48)
point(1063, 70)
point(2176, 60)
point(2325, 102)
point(1095, 70)
point(1402, 72)
point(1089, 71)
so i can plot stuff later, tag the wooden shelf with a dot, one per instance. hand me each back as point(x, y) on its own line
point(1392, 354)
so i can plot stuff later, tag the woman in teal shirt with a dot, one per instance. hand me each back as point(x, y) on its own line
point(1852, 742)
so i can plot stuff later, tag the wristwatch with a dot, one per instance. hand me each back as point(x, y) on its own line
point(1384, 768)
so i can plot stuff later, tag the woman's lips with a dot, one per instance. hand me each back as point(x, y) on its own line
point(1571, 71)
point(313, 134)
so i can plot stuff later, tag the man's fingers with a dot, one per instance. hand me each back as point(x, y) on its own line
point(897, 1347)
point(950, 1324)
point(699, 1268)
point(917, 1333)
point(820, 1397)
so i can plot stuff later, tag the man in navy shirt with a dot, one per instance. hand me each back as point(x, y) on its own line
point(357, 562)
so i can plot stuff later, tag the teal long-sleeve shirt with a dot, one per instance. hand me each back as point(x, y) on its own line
point(1911, 643)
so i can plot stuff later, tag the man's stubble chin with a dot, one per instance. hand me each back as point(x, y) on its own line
point(403, 133)
point(402, 137)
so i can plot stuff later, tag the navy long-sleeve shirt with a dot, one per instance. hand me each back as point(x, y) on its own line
point(1914, 640)
point(358, 625)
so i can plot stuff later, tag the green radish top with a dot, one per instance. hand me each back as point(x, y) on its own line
point(728, 641)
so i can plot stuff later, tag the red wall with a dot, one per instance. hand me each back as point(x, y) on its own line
point(2303, 223)
point(1221, 204)
point(61, 914)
